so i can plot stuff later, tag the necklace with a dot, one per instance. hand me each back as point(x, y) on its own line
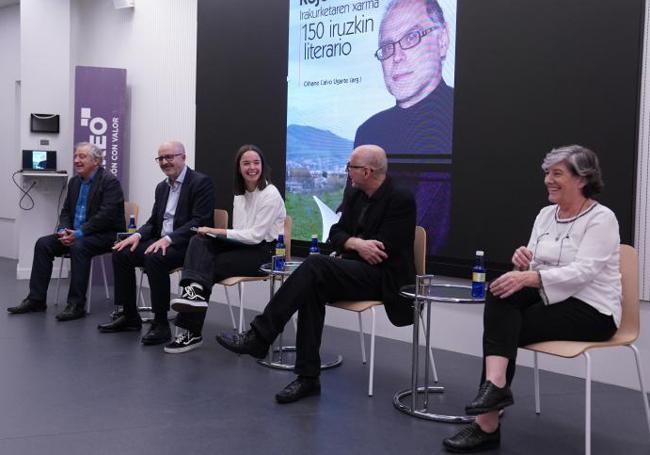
point(575, 218)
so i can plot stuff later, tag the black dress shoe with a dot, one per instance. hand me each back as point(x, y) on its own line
point(159, 333)
point(472, 439)
point(302, 387)
point(71, 311)
point(246, 343)
point(121, 324)
point(490, 398)
point(27, 306)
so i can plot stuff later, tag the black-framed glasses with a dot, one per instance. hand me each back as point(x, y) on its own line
point(168, 158)
point(411, 39)
point(349, 166)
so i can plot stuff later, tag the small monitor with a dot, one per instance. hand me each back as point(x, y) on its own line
point(39, 160)
point(44, 123)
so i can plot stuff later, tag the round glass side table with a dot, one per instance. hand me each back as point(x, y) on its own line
point(425, 292)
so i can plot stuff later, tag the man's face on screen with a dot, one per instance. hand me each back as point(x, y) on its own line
point(411, 74)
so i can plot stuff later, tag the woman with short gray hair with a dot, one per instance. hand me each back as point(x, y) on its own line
point(566, 285)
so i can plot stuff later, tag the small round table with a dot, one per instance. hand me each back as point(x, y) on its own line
point(282, 357)
point(425, 292)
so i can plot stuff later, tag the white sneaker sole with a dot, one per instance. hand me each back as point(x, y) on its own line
point(182, 305)
point(180, 350)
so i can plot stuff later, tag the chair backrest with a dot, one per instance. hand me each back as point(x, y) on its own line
point(130, 208)
point(220, 219)
point(629, 263)
point(420, 250)
point(288, 225)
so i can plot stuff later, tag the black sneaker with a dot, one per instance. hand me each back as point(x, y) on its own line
point(191, 300)
point(184, 342)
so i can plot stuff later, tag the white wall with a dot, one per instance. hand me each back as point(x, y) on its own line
point(156, 43)
point(9, 135)
point(45, 75)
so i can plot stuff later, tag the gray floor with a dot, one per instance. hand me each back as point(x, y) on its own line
point(67, 389)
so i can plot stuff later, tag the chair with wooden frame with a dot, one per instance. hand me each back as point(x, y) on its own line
point(220, 220)
point(419, 249)
point(625, 336)
point(240, 280)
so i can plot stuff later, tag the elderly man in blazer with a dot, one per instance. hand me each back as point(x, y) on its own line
point(92, 215)
point(184, 200)
point(375, 240)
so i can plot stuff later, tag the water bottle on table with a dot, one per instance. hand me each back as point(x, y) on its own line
point(313, 249)
point(478, 276)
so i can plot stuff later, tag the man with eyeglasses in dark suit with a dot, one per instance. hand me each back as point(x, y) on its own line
point(184, 200)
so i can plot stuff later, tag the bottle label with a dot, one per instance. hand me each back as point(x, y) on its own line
point(478, 277)
point(280, 252)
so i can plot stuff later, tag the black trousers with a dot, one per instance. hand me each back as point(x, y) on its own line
point(522, 319)
point(211, 260)
point(319, 280)
point(157, 268)
point(81, 253)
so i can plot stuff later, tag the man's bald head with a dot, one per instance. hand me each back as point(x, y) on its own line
point(373, 157)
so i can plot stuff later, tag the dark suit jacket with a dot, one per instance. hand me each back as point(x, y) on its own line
point(195, 208)
point(105, 208)
point(389, 218)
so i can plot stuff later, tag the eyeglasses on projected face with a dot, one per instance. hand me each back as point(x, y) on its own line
point(169, 158)
point(408, 41)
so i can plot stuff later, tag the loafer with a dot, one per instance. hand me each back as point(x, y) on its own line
point(490, 398)
point(121, 324)
point(159, 333)
point(300, 388)
point(245, 343)
point(71, 311)
point(472, 439)
point(27, 306)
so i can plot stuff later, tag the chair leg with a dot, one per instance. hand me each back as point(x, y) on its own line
point(240, 288)
point(372, 353)
point(434, 370)
point(108, 295)
point(232, 315)
point(587, 403)
point(362, 340)
point(58, 281)
point(637, 357)
point(89, 292)
point(538, 409)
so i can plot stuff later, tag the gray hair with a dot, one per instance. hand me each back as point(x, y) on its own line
point(434, 11)
point(581, 162)
point(96, 152)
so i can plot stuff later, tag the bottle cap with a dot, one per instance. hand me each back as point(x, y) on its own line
point(314, 236)
point(479, 253)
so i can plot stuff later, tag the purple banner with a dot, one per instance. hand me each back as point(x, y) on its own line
point(100, 113)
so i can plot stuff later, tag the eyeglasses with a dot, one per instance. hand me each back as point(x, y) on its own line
point(168, 158)
point(349, 166)
point(411, 39)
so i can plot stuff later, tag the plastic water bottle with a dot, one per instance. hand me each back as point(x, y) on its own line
point(280, 253)
point(313, 249)
point(478, 276)
point(131, 228)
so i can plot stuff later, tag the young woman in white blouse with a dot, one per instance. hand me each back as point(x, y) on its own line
point(566, 286)
point(258, 219)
